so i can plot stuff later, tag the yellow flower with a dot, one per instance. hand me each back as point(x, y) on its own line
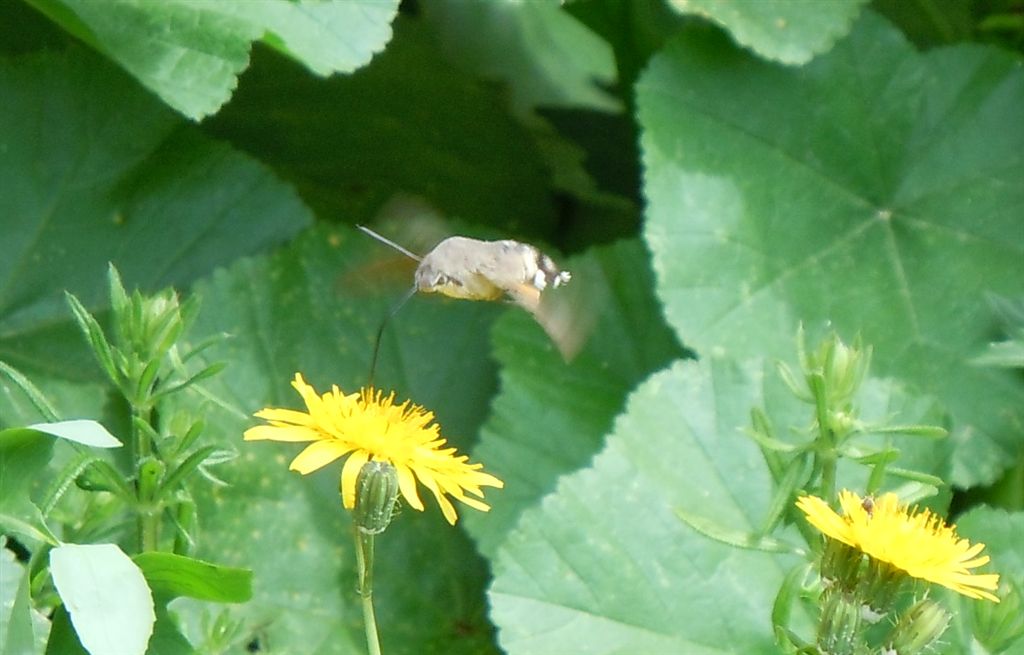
point(367, 426)
point(919, 543)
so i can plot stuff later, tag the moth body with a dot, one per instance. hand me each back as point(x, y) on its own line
point(461, 267)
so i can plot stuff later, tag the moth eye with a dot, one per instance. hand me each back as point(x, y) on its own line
point(441, 280)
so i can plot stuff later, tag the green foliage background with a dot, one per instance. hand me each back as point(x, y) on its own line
point(712, 173)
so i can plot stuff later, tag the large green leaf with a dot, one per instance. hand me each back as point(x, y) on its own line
point(190, 52)
point(409, 123)
point(604, 565)
point(95, 170)
point(789, 31)
point(550, 417)
point(875, 188)
point(304, 310)
point(605, 562)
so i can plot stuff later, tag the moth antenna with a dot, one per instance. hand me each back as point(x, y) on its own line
point(380, 331)
point(389, 242)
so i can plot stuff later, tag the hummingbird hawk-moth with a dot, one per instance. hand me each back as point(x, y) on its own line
point(461, 267)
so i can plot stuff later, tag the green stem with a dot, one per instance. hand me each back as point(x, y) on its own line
point(148, 520)
point(826, 445)
point(364, 558)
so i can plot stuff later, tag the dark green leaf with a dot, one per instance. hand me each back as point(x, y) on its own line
point(409, 124)
point(96, 170)
point(62, 639)
point(185, 469)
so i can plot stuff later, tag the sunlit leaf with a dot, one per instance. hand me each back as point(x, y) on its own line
point(190, 52)
point(790, 31)
point(875, 189)
point(83, 431)
point(605, 560)
point(107, 597)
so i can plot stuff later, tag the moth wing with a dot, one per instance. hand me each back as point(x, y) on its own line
point(568, 316)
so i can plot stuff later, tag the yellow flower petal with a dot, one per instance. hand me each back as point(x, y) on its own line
point(919, 543)
point(280, 433)
point(350, 476)
point(317, 455)
point(285, 416)
point(407, 485)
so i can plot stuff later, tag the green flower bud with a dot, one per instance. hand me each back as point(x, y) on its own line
point(839, 632)
point(376, 495)
point(919, 628)
point(999, 626)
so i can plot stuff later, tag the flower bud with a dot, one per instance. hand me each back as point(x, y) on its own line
point(999, 626)
point(919, 628)
point(376, 495)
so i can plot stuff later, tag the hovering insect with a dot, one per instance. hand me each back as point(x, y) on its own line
point(472, 269)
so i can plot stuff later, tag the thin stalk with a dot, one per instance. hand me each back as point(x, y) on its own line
point(147, 520)
point(826, 446)
point(364, 558)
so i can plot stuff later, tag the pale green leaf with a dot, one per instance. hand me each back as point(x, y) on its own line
point(190, 52)
point(107, 597)
point(539, 50)
point(83, 431)
point(789, 31)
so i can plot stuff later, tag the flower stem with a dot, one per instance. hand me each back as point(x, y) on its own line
point(364, 558)
point(148, 526)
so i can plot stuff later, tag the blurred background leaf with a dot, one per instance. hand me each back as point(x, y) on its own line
point(410, 123)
